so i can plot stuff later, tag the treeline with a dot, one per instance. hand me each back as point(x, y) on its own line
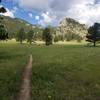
point(49, 35)
point(68, 37)
point(3, 31)
point(21, 36)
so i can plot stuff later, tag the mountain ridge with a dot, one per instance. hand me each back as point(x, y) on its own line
point(13, 25)
point(71, 26)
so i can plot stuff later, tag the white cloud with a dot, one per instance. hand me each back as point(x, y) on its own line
point(86, 14)
point(9, 13)
point(30, 15)
point(85, 11)
point(37, 17)
point(46, 19)
point(14, 9)
point(33, 4)
point(50, 4)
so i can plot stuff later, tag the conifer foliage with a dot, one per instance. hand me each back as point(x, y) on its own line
point(94, 34)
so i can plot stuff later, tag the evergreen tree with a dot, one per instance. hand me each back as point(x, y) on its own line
point(47, 36)
point(93, 34)
point(30, 35)
point(38, 33)
point(3, 32)
point(21, 36)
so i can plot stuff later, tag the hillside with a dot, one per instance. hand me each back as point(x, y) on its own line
point(71, 26)
point(67, 29)
point(13, 25)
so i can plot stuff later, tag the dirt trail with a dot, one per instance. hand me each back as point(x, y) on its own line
point(25, 89)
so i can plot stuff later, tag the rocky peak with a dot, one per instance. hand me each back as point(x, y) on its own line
point(68, 25)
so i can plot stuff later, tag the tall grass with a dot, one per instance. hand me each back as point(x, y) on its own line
point(13, 58)
point(66, 73)
point(60, 72)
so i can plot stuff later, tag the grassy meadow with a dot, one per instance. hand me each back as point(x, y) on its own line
point(67, 72)
point(60, 72)
point(13, 58)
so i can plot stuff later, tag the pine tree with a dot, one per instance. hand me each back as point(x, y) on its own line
point(47, 36)
point(93, 34)
point(30, 35)
point(21, 36)
point(3, 32)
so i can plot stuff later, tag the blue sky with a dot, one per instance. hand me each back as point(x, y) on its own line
point(46, 12)
point(19, 12)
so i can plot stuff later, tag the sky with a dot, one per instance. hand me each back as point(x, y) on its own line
point(51, 12)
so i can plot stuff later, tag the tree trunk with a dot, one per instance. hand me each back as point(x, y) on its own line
point(46, 43)
point(21, 42)
point(30, 42)
point(94, 44)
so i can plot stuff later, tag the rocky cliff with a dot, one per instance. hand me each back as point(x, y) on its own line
point(71, 26)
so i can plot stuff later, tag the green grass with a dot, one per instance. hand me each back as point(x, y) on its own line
point(60, 72)
point(13, 58)
point(66, 73)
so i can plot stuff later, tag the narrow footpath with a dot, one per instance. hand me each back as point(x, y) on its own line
point(25, 88)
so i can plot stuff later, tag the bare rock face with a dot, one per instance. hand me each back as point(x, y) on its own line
point(69, 25)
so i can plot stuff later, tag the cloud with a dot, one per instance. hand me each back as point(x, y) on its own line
point(30, 15)
point(38, 5)
point(86, 14)
point(81, 10)
point(37, 17)
point(62, 6)
point(46, 19)
point(97, 1)
point(9, 13)
point(14, 9)
point(58, 5)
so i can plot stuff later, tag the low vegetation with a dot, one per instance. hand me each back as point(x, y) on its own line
point(66, 73)
point(60, 72)
point(13, 58)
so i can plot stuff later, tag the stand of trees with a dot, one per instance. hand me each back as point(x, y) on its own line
point(3, 31)
point(93, 34)
point(47, 36)
point(30, 36)
point(73, 36)
point(38, 33)
point(20, 37)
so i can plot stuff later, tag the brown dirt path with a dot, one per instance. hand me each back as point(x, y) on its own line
point(25, 89)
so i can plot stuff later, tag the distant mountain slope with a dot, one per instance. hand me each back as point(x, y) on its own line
point(13, 25)
point(68, 26)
